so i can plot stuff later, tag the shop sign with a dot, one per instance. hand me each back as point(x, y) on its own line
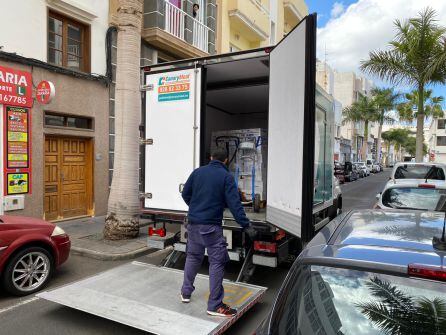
point(15, 87)
point(17, 183)
point(17, 150)
point(45, 92)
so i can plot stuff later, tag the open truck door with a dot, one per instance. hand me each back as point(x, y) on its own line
point(292, 87)
point(172, 129)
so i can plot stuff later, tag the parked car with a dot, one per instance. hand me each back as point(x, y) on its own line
point(411, 194)
point(370, 166)
point(30, 250)
point(363, 167)
point(377, 167)
point(339, 172)
point(435, 171)
point(366, 272)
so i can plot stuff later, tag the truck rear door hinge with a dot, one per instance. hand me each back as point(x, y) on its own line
point(147, 141)
point(145, 88)
point(145, 195)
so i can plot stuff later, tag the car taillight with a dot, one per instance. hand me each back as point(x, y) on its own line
point(269, 247)
point(427, 271)
point(426, 186)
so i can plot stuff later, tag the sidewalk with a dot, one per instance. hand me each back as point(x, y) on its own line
point(87, 240)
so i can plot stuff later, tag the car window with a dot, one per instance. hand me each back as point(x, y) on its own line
point(412, 197)
point(326, 300)
point(419, 172)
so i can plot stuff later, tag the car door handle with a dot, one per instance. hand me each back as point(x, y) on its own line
point(181, 188)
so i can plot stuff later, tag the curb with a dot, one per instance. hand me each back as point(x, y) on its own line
point(110, 256)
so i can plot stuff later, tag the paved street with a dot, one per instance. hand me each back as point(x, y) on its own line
point(49, 318)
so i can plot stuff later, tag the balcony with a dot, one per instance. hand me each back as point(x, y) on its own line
point(294, 12)
point(250, 18)
point(171, 29)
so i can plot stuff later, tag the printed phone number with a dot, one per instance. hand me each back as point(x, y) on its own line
point(6, 98)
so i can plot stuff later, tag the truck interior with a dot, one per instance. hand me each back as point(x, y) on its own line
point(236, 97)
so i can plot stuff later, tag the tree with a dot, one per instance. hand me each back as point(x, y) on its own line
point(398, 137)
point(363, 110)
point(398, 313)
point(408, 110)
point(416, 57)
point(385, 100)
point(410, 146)
point(122, 219)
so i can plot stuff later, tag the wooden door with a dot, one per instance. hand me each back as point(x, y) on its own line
point(67, 177)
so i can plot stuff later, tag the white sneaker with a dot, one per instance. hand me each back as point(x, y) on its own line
point(184, 298)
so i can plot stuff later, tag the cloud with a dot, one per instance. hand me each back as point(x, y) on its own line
point(337, 9)
point(365, 26)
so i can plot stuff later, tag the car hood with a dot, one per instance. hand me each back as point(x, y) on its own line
point(25, 221)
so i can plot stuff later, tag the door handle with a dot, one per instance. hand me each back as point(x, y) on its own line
point(62, 176)
point(181, 188)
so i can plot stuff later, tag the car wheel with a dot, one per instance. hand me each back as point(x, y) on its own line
point(28, 271)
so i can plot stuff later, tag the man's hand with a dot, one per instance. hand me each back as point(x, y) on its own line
point(251, 232)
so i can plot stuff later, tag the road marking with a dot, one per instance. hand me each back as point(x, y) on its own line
point(20, 303)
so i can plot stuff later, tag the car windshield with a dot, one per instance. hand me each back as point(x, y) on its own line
point(326, 300)
point(419, 172)
point(412, 198)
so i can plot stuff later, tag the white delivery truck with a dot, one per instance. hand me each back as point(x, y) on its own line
point(185, 102)
point(263, 106)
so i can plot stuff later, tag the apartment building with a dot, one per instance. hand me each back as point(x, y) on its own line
point(250, 24)
point(54, 108)
point(436, 140)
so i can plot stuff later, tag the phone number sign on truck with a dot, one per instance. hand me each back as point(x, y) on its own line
point(15, 87)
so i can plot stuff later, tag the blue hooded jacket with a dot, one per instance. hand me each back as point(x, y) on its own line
point(208, 191)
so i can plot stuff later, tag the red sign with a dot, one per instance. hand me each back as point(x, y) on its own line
point(15, 87)
point(45, 92)
point(17, 144)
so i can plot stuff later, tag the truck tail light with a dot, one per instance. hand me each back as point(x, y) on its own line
point(427, 271)
point(269, 247)
point(161, 232)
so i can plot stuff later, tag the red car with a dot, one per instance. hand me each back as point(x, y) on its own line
point(30, 250)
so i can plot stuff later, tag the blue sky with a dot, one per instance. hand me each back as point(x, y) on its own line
point(349, 29)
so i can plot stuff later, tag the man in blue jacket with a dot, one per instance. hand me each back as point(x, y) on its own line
point(207, 192)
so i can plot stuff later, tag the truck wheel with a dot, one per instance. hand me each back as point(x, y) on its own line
point(257, 203)
point(28, 271)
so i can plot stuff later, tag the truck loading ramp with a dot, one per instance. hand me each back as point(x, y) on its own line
point(146, 297)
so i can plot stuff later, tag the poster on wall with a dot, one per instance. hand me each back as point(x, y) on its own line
point(17, 183)
point(17, 128)
point(17, 160)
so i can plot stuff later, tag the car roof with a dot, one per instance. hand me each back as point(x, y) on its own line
point(419, 163)
point(393, 239)
point(395, 183)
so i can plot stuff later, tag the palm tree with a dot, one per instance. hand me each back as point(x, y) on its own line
point(122, 219)
point(385, 100)
point(396, 312)
point(408, 110)
point(363, 110)
point(398, 137)
point(416, 57)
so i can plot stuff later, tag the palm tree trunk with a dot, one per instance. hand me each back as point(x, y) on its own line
point(420, 125)
point(378, 146)
point(366, 138)
point(122, 219)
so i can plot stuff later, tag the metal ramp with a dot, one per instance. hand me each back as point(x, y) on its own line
point(146, 297)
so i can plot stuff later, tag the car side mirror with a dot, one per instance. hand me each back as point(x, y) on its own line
point(378, 196)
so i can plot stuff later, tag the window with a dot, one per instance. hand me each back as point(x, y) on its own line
point(68, 121)
point(68, 43)
point(419, 171)
point(441, 124)
point(413, 198)
point(441, 140)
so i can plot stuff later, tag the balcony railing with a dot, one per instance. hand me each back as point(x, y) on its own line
point(175, 24)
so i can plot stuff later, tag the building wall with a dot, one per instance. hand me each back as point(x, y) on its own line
point(26, 24)
point(259, 15)
point(77, 97)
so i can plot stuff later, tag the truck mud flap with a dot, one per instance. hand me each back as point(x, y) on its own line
point(146, 297)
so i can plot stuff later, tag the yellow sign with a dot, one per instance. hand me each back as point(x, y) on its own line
point(17, 183)
point(19, 137)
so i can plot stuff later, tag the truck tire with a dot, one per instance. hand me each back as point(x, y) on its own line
point(35, 263)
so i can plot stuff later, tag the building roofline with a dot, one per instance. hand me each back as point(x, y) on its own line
point(13, 57)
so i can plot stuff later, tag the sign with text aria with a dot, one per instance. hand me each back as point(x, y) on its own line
point(15, 87)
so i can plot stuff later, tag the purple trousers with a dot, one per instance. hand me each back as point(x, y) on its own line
point(210, 237)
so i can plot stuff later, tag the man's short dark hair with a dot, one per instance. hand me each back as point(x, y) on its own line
point(219, 154)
